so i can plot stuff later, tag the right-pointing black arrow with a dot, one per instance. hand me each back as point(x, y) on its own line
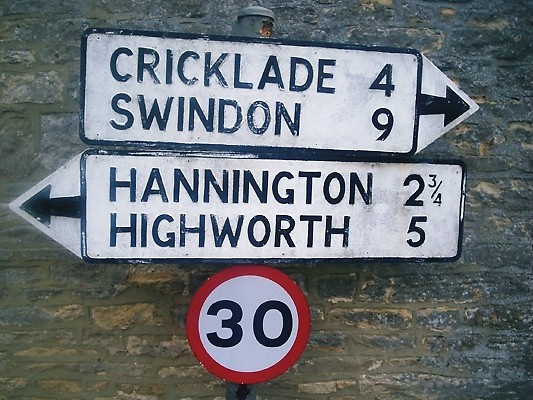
point(42, 207)
point(452, 106)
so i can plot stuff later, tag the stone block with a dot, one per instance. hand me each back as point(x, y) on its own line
point(95, 282)
point(17, 144)
point(438, 319)
point(154, 390)
point(184, 372)
point(372, 318)
point(435, 344)
point(328, 366)
point(60, 140)
point(22, 276)
point(509, 316)
point(38, 88)
point(415, 288)
point(59, 387)
point(326, 387)
point(421, 386)
point(385, 343)
point(339, 288)
point(46, 353)
point(173, 348)
point(17, 57)
point(122, 317)
point(47, 7)
point(178, 314)
point(10, 385)
point(119, 370)
point(326, 340)
point(23, 316)
point(42, 31)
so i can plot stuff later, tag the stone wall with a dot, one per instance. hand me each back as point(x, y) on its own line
point(461, 330)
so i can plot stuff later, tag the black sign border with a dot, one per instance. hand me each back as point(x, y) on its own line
point(299, 153)
point(274, 260)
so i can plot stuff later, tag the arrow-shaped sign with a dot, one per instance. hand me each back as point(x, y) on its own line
point(270, 97)
point(120, 206)
point(441, 104)
point(53, 206)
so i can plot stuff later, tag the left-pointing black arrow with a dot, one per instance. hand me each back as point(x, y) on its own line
point(452, 106)
point(42, 207)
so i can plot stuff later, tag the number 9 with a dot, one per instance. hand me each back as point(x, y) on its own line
point(387, 126)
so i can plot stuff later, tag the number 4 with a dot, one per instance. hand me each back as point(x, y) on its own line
point(384, 75)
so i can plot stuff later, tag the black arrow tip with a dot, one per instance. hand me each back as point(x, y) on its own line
point(452, 106)
point(38, 206)
point(41, 207)
point(455, 106)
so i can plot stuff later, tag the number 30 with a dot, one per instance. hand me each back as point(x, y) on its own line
point(232, 323)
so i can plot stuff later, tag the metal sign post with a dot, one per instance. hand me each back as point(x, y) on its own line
point(252, 21)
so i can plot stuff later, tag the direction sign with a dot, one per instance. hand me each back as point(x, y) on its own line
point(163, 206)
point(248, 324)
point(266, 97)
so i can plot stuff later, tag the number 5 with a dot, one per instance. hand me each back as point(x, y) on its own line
point(421, 233)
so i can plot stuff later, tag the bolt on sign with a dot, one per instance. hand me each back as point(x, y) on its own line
point(272, 97)
point(163, 206)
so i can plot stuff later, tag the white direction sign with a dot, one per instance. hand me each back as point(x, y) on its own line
point(326, 100)
point(248, 324)
point(163, 206)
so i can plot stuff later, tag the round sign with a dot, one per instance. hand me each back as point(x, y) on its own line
point(248, 324)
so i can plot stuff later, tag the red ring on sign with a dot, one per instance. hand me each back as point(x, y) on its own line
point(302, 335)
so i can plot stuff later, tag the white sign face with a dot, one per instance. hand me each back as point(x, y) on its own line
point(169, 207)
point(162, 206)
point(184, 91)
point(248, 324)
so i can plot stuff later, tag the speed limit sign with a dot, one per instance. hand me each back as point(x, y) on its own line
point(248, 324)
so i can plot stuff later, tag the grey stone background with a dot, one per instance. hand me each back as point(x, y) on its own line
point(462, 330)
